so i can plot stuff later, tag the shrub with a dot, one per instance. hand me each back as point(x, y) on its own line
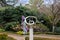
point(57, 29)
point(3, 37)
point(2, 30)
point(52, 33)
point(10, 26)
point(20, 32)
point(41, 28)
point(11, 14)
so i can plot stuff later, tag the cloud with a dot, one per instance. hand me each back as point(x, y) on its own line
point(48, 2)
point(24, 1)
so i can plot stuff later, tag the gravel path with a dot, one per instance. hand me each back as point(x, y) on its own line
point(17, 37)
point(48, 36)
point(22, 37)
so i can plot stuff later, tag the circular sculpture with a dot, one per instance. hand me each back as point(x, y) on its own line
point(30, 20)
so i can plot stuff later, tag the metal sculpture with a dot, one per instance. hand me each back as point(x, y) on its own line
point(24, 25)
point(30, 20)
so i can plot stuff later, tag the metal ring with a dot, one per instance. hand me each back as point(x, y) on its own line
point(30, 20)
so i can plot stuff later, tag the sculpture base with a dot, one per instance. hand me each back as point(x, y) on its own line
point(31, 34)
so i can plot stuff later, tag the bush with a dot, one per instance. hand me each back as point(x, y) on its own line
point(41, 28)
point(36, 33)
point(2, 30)
point(20, 32)
point(3, 37)
point(57, 29)
point(10, 26)
point(9, 14)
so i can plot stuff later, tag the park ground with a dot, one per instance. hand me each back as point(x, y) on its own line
point(22, 37)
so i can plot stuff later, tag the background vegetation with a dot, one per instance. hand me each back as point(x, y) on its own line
point(48, 17)
point(5, 37)
point(10, 17)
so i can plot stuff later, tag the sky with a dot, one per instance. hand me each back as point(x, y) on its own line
point(23, 2)
point(19, 2)
point(48, 2)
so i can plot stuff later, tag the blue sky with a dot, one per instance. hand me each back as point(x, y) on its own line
point(19, 1)
point(48, 1)
point(22, 2)
point(27, 2)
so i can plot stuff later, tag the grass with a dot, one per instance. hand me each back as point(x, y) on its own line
point(38, 38)
point(4, 36)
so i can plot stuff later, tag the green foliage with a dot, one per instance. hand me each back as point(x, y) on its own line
point(41, 28)
point(2, 30)
point(51, 33)
point(20, 32)
point(58, 24)
point(57, 29)
point(43, 18)
point(10, 26)
point(3, 37)
point(11, 14)
point(8, 15)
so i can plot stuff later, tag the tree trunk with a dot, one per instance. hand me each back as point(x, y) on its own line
point(53, 28)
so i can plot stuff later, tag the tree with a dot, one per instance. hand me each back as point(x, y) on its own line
point(52, 12)
point(35, 3)
point(11, 2)
point(8, 2)
point(3, 2)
